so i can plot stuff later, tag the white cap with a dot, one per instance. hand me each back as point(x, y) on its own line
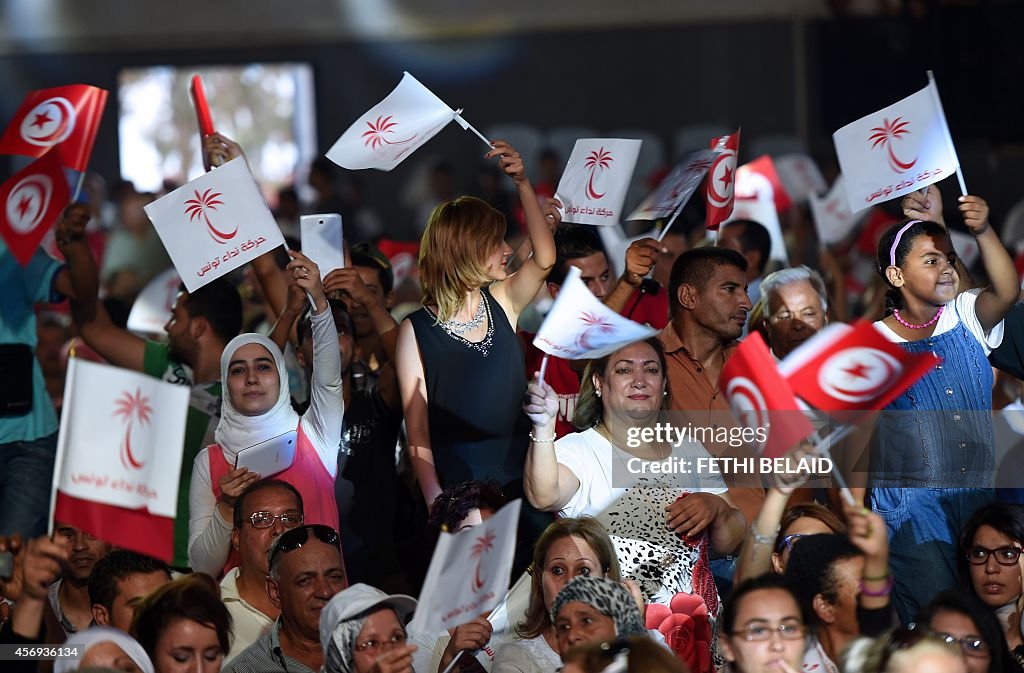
point(356, 600)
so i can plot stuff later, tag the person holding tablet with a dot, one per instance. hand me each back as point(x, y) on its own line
point(257, 415)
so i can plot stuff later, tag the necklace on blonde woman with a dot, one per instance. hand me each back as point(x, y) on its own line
point(900, 320)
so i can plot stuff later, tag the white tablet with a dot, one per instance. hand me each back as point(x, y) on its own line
point(269, 457)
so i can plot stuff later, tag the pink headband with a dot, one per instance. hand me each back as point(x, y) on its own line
point(896, 243)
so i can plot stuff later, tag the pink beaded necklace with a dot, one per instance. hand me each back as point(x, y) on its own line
point(900, 320)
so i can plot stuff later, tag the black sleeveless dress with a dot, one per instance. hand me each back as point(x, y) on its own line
point(478, 429)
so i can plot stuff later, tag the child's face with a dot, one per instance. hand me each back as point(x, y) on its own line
point(929, 271)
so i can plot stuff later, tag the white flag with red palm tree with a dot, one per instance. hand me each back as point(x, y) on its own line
point(899, 149)
point(119, 455)
point(580, 327)
point(215, 224)
point(469, 572)
point(392, 129)
point(596, 179)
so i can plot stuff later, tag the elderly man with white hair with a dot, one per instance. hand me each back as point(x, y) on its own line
point(793, 308)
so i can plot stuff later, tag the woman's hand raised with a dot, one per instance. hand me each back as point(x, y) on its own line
point(306, 275)
point(510, 160)
point(541, 403)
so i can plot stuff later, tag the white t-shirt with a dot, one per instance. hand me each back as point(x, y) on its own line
point(602, 469)
point(964, 305)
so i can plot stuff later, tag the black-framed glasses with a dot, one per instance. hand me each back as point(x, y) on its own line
point(296, 537)
point(972, 646)
point(788, 542)
point(1005, 556)
point(759, 632)
point(375, 646)
point(266, 519)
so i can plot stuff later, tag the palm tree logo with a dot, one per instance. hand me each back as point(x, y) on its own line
point(593, 323)
point(597, 160)
point(374, 138)
point(133, 409)
point(200, 207)
point(483, 544)
point(885, 135)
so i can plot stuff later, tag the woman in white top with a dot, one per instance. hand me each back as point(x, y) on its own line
point(662, 524)
point(257, 407)
point(585, 474)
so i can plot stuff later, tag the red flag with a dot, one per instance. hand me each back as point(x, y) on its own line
point(722, 179)
point(65, 117)
point(198, 92)
point(849, 371)
point(762, 399)
point(31, 201)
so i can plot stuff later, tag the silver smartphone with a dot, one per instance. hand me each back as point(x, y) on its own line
point(322, 241)
point(269, 457)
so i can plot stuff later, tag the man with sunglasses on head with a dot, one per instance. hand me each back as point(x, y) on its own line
point(305, 572)
point(262, 513)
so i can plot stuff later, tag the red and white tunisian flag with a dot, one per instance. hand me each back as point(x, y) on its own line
point(722, 179)
point(119, 456)
point(762, 400)
point(392, 129)
point(831, 214)
point(65, 117)
point(851, 370)
point(675, 189)
point(596, 179)
point(32, 200)
point(580, 327)
point(469, 572)
point(215, 224)
point(896, 150)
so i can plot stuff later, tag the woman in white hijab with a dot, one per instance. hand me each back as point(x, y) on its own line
point(362, 630)
point(104, 647)
point(257, 407)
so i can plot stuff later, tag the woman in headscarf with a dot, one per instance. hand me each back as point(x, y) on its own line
point(105, 647)
point(592, 609)
point(257, 407)
point(362, 629)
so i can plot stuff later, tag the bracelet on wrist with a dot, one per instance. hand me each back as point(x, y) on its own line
point(865, 578)
point(537, 440)
point(884, 591)
point(764, 539)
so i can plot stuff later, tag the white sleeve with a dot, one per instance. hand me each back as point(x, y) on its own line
point(209, 535)
point(513, 658)
point(322, 421)
point(572, 451)
point(965, 302)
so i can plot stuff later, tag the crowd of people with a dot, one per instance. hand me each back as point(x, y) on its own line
point(410, 424)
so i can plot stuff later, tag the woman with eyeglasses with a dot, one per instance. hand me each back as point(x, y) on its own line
point(960, 618)
point(257, 407)
point(776, 528)
point(362, 629)
point(764, 627)
point(991, 541)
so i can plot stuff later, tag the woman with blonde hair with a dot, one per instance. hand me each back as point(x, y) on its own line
point(460, 365)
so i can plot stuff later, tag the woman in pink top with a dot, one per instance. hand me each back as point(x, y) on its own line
point(257, 407)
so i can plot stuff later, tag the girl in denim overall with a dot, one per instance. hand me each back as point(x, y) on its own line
point(932, 459)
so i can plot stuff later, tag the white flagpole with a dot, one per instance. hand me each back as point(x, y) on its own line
point(823, 445)
point(669, 224)
point(466, 126)
point(949, 140)
point(543, 368)
point(78, 187)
